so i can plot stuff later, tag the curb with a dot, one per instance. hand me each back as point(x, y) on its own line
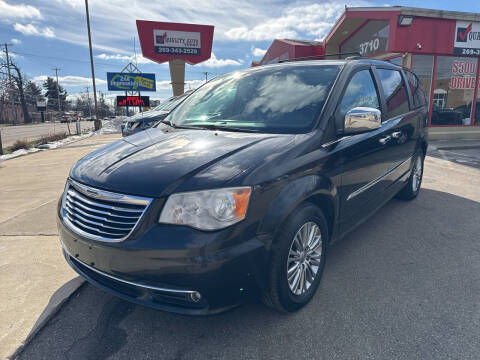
point(58, 299)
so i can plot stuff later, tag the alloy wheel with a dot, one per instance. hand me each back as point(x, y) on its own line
point(417, 174)
point(304, 258)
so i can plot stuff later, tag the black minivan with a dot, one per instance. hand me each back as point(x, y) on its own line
point(243, 187)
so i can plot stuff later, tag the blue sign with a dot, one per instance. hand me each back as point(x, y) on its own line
point(131, 81)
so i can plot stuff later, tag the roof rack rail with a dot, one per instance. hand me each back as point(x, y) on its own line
point(357, 55)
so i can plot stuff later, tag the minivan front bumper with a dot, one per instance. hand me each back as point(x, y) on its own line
point(166, 267)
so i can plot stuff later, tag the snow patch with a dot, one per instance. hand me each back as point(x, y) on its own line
point(18, 153)
point(112, 126)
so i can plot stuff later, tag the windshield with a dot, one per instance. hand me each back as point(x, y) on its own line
point(274, 100)
point(174, 102)
point(158, 107)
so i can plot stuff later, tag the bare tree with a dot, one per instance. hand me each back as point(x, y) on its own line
point(19, 84)
point(4, 97)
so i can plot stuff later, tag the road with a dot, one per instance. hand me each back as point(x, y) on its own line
point(10, 134)
point(404, 285)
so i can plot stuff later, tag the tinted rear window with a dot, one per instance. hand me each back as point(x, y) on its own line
point(395, 92)
point(416, 90)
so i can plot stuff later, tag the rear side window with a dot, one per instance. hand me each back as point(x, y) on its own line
point(360, 92)
point(416, 89)
point(395, 92)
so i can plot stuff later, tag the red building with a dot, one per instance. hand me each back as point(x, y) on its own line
point(441, 47)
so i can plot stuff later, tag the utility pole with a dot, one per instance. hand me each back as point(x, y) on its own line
point(89, 107)
point(58, 89)
point(10, 79)
point(206, 75)
point(8, 62)
point(58, 99)
point(98, 123)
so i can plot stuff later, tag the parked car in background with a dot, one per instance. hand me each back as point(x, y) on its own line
point(147, 119)
point(447, 116)
point(245, 184)
point(466, 111)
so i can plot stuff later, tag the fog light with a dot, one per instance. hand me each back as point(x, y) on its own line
point(195, 296)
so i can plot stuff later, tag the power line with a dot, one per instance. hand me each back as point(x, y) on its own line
point(86, 61)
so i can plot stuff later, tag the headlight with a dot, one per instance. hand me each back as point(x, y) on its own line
point(207, 210)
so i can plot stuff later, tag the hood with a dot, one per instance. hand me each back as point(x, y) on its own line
point(157, 161)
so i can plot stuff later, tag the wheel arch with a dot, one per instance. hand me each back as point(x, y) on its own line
point(313, 189)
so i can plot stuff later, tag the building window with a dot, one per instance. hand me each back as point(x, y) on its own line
point(422, 66)
point(370, 39)
point(453, 91)
point(439, 97)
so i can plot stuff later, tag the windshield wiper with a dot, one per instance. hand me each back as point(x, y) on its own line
point(217, 127)
point(168, 122)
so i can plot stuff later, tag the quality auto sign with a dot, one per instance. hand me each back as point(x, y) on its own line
point(467, 38)
point(165, 41)
point(177, 42)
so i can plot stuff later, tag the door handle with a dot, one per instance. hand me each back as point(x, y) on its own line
point(397, 134)
point(385, 139)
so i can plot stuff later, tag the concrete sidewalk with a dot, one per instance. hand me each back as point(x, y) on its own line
point(32, 268)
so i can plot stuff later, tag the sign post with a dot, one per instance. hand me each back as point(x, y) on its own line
point(42, 106)
point(176, 43)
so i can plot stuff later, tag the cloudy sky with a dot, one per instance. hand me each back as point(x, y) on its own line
point(52, 33)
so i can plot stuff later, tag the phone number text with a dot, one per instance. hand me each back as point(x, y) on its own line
point(176, 50)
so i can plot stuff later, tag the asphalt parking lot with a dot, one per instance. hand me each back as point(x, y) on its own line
point(404, 285)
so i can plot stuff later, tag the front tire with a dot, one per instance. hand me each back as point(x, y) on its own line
point(297, 260)
point(412, 188)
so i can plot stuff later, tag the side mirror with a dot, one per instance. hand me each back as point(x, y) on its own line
point(362, 119)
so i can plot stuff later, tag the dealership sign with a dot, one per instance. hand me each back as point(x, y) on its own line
point(467, 38)
point(177, 42)
point(143, 101)
point(162, 41)
point(118, 81)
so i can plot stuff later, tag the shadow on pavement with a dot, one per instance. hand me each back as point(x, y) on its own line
point(55, 303)
point(403, 285)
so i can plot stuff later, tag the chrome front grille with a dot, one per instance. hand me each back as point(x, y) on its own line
point(101, 215)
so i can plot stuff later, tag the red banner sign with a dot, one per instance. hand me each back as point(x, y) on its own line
point(162, 41)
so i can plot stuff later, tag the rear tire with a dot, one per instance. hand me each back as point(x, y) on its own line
point(297, 259)
point(412, 188)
